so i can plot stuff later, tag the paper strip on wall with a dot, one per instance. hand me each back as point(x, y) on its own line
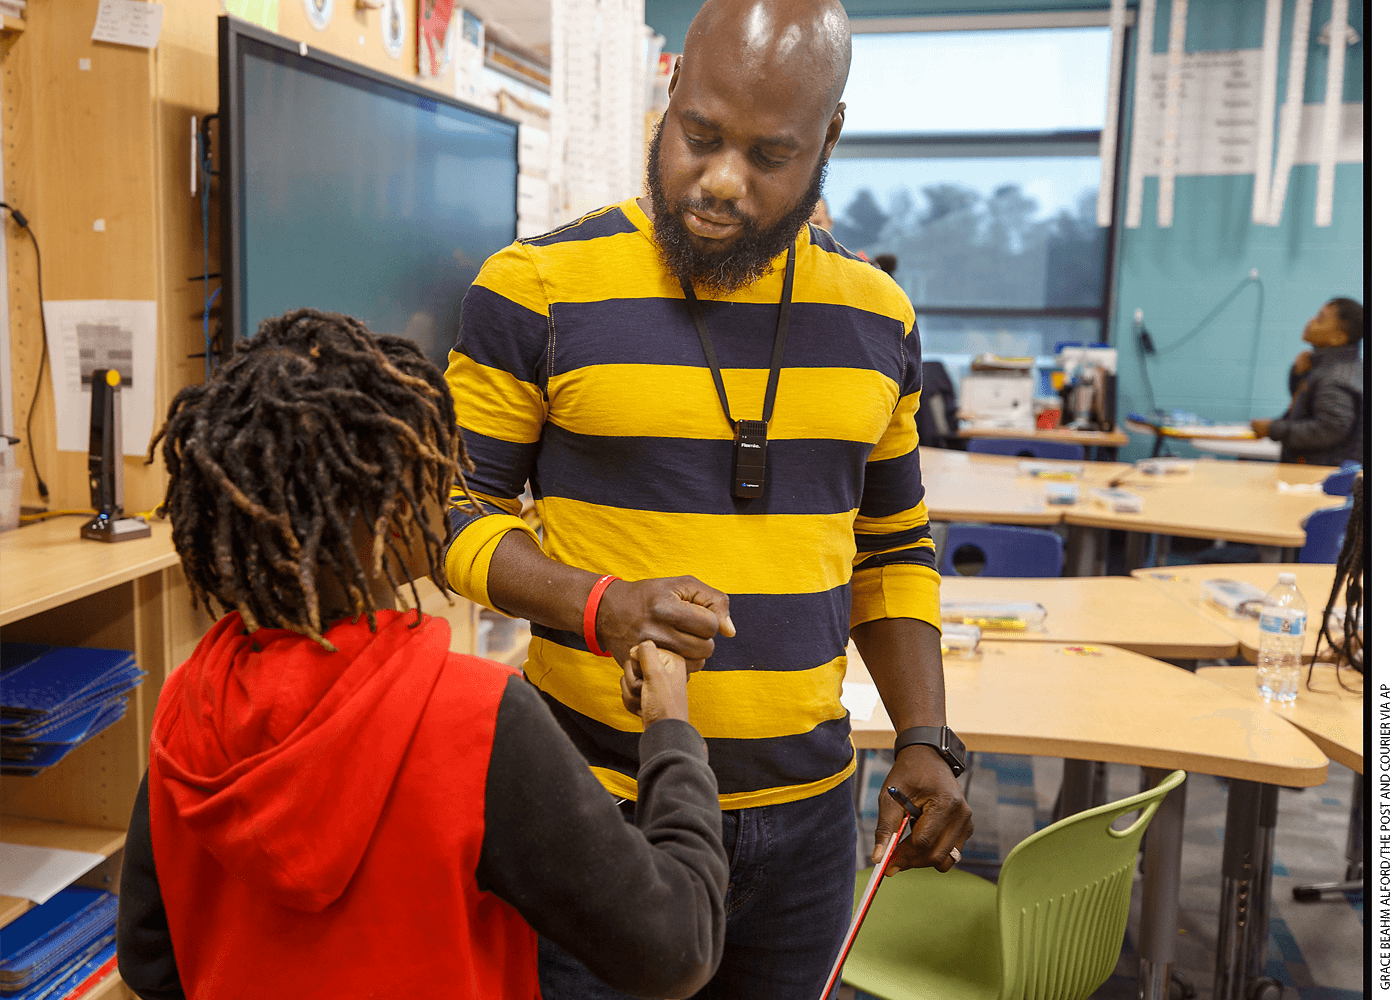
point(1292, 110)
point(1268, 98)
point(1176, 52)
point(1331, 113)
point(1142, 136)
point(1108, 138)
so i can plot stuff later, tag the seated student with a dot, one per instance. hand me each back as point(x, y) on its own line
point(1322, 425)
point(338, 805)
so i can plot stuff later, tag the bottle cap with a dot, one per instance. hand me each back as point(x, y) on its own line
point(1289, 578)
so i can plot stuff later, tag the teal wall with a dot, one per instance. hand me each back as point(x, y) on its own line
point(1236, 368)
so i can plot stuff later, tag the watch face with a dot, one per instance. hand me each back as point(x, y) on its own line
point(955, 745)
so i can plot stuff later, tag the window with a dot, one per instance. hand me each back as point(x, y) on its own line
point(972, 157)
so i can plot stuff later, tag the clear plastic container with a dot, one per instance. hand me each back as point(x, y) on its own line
point(960, 641)
point(11, 485)
point(996, 616)
point(1283, 619)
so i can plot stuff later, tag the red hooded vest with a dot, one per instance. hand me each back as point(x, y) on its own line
point(317, 817)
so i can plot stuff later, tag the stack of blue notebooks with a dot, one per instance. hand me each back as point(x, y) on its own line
point(55, 698)
point(54, 948)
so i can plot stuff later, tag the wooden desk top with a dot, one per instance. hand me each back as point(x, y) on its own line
point(1183, 584)
point(1327, 713)
point(1111, 610)
point(1110, 439)
point(1033, 698)
point(990, 489)
point(1234, 500)
point(47, 564)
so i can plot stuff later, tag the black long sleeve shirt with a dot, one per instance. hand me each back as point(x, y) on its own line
point(642, 906)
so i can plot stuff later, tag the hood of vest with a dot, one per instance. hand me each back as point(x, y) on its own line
point(281, 755)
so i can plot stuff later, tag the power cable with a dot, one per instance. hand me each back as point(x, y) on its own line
point(23, 223)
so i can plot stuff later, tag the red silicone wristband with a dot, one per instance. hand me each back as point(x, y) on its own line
point(590, 615)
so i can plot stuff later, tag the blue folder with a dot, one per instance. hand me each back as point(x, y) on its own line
point(54, 698)
point(44, 943)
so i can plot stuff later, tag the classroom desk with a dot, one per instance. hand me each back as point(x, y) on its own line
point(1183, 584)
point(1329, 715)
point(1112, 610)
point(1237, 501)
point(1118, 706)
point(1332, 717)
point(1101, 444)
point(990, 489)
point(1257, 450)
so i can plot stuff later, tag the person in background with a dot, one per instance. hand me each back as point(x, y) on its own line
point(887, 262)
point(1324, 420)
point(581, 368)
point(821, 216)
point(338, 806)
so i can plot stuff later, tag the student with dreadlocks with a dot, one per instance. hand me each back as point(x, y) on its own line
point(1350, 584)
point(336, 804)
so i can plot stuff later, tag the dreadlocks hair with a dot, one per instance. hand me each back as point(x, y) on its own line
point(313, 422)
point(1351, 581)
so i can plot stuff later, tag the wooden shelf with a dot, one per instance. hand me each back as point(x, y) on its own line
point(11, 25)
point(12, 907)
point(48, 565)
point(66, 836)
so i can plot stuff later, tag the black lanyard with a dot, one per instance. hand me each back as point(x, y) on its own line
point(750, 436)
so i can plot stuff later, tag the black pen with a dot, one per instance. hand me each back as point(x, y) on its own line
point(914, 811)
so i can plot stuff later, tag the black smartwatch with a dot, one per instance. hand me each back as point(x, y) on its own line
point(942, 739)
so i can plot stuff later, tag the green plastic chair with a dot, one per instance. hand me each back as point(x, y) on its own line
point(1051, 928)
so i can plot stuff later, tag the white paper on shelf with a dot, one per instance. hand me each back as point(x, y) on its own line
point(1292, 115)
point(128, 22)
point(1143, 132)
point(1108, 138)
point(1331, 113)
point(102, 333)
point(36, 873)
point(1171, 115)
point(859, 699)
point(1268, 88)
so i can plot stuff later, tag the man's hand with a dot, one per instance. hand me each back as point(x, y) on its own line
point(1302, 364)
point(1260, 427)
point(678, 613)
point(921, 774)
point(660, 677)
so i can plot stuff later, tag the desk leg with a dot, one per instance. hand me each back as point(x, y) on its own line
point(1242, 868)
point(1261, 888)
point(1161, 884)
point(1076, 788)
point(1088, 547)
point(1270, 553)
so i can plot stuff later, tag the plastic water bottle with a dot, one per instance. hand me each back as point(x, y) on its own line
point(1282, 621)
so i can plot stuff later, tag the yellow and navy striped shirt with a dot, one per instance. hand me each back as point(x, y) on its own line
point(578, 369)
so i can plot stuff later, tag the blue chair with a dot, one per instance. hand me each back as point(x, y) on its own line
point(1006, 550)
point(1338, 484)
point(1027, 448)
point(1326, 530)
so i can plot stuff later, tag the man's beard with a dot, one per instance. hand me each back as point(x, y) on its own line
point(749, 258)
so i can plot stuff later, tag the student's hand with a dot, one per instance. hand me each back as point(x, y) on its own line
point(925, 777)
point(658, 677)
point(677, 613)
point(1302, 364)
point(1260, 427)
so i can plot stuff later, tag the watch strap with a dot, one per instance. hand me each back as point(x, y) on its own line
point(930, 736)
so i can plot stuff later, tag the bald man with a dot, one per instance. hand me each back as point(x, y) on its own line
point(713, 403)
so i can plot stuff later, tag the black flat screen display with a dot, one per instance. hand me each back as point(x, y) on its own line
point(356, 194)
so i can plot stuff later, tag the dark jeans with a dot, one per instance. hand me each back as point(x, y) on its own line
point(791, 880)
